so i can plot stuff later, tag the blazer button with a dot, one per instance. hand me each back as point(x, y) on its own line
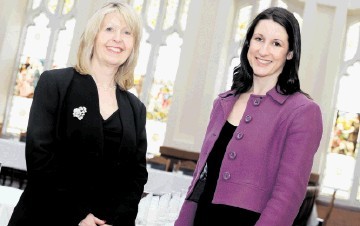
point(239, 136)
point(256, 102)
point(232, 155)
point(248, 118)
point(226, 176)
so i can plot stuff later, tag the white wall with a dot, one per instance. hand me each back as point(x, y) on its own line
point(12, 16)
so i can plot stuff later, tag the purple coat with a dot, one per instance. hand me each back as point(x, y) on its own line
point(268, 160)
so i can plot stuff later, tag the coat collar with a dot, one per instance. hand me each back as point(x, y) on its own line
point(273, 93)
point(127, 118)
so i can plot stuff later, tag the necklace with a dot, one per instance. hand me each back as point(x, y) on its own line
point(103, 87)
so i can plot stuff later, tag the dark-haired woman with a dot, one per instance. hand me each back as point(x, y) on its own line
point(259, 146)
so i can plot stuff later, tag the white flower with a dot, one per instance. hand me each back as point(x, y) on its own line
point(79, 112)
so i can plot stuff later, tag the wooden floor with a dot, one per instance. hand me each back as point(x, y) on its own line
point(340, 216)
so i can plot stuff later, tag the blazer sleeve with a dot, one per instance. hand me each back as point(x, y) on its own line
point(303, 135)
point(40, 140)
point(127, 213)
point(42, 144)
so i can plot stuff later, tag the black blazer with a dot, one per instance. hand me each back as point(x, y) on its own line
point(67, 178)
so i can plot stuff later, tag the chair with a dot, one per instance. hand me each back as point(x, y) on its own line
point(323, 222)
point(187, 167)
point(307, 206)
point(159, 162)
point(175, 154)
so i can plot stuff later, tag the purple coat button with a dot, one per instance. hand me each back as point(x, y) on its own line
point(232, 155)
point(256, 102)
point(226, 176)
point(239, 136)
point(248, 118)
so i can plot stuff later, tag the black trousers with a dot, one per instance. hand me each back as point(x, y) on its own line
point(208, 214)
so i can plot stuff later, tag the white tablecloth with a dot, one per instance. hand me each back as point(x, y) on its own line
point(8, 199)
point(160, 207)
point(162, 182)
point(12, 154)
point(166, 194)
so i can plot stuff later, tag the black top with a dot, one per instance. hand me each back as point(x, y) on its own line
point(103, 207)
point(216, 214)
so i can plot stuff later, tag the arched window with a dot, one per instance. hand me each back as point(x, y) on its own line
point(164, 23)
point(342, 171)
point(44, 44)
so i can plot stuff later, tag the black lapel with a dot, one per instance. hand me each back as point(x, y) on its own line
point(86, 132)
point(127, 119)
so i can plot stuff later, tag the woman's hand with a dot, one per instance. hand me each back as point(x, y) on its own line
point(91, 220)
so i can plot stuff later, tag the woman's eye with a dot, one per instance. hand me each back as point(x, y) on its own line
point(127, 32)
point(109, 29)
point(277, 44)
point(258, 39)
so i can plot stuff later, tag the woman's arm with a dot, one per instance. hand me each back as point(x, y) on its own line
point(40, 140)
point(302, 141)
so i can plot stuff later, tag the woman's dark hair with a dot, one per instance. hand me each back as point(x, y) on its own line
point(288, 80)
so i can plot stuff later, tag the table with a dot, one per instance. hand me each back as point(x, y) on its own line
point(162, 182)
point(9, 197)
point(12, 154)
point(166, 189)
point(153, 209)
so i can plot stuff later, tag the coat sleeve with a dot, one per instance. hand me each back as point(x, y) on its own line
point(42, 145)
point(40, 140)
point(126, 214)
point(303, 135)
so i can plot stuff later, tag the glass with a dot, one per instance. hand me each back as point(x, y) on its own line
point(138, 5)
point(63, 45)
point(348, 89)
point(171, 8)
point(141, 67)
point(158, 63)
point(162, 90)
point(352, 41)
point(242, 23)
point(263, 4)
point(36, 3)
point(153, 13)
point(358, 193)
point(184, 14)
point(68, 6)
point(52, 5)
point(37, 38)
point(341, 161)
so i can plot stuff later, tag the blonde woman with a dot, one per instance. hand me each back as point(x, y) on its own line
point(86, 138)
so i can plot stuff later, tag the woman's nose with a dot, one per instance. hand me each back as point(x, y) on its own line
point(264, 49)
point(117, 36)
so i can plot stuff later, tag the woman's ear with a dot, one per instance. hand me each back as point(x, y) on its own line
point(290, 55)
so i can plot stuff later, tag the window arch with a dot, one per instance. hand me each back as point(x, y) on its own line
point(343, 160)
point(164, 23)
point(44, 44)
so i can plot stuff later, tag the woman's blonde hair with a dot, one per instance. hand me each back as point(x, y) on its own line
point(124, 76)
